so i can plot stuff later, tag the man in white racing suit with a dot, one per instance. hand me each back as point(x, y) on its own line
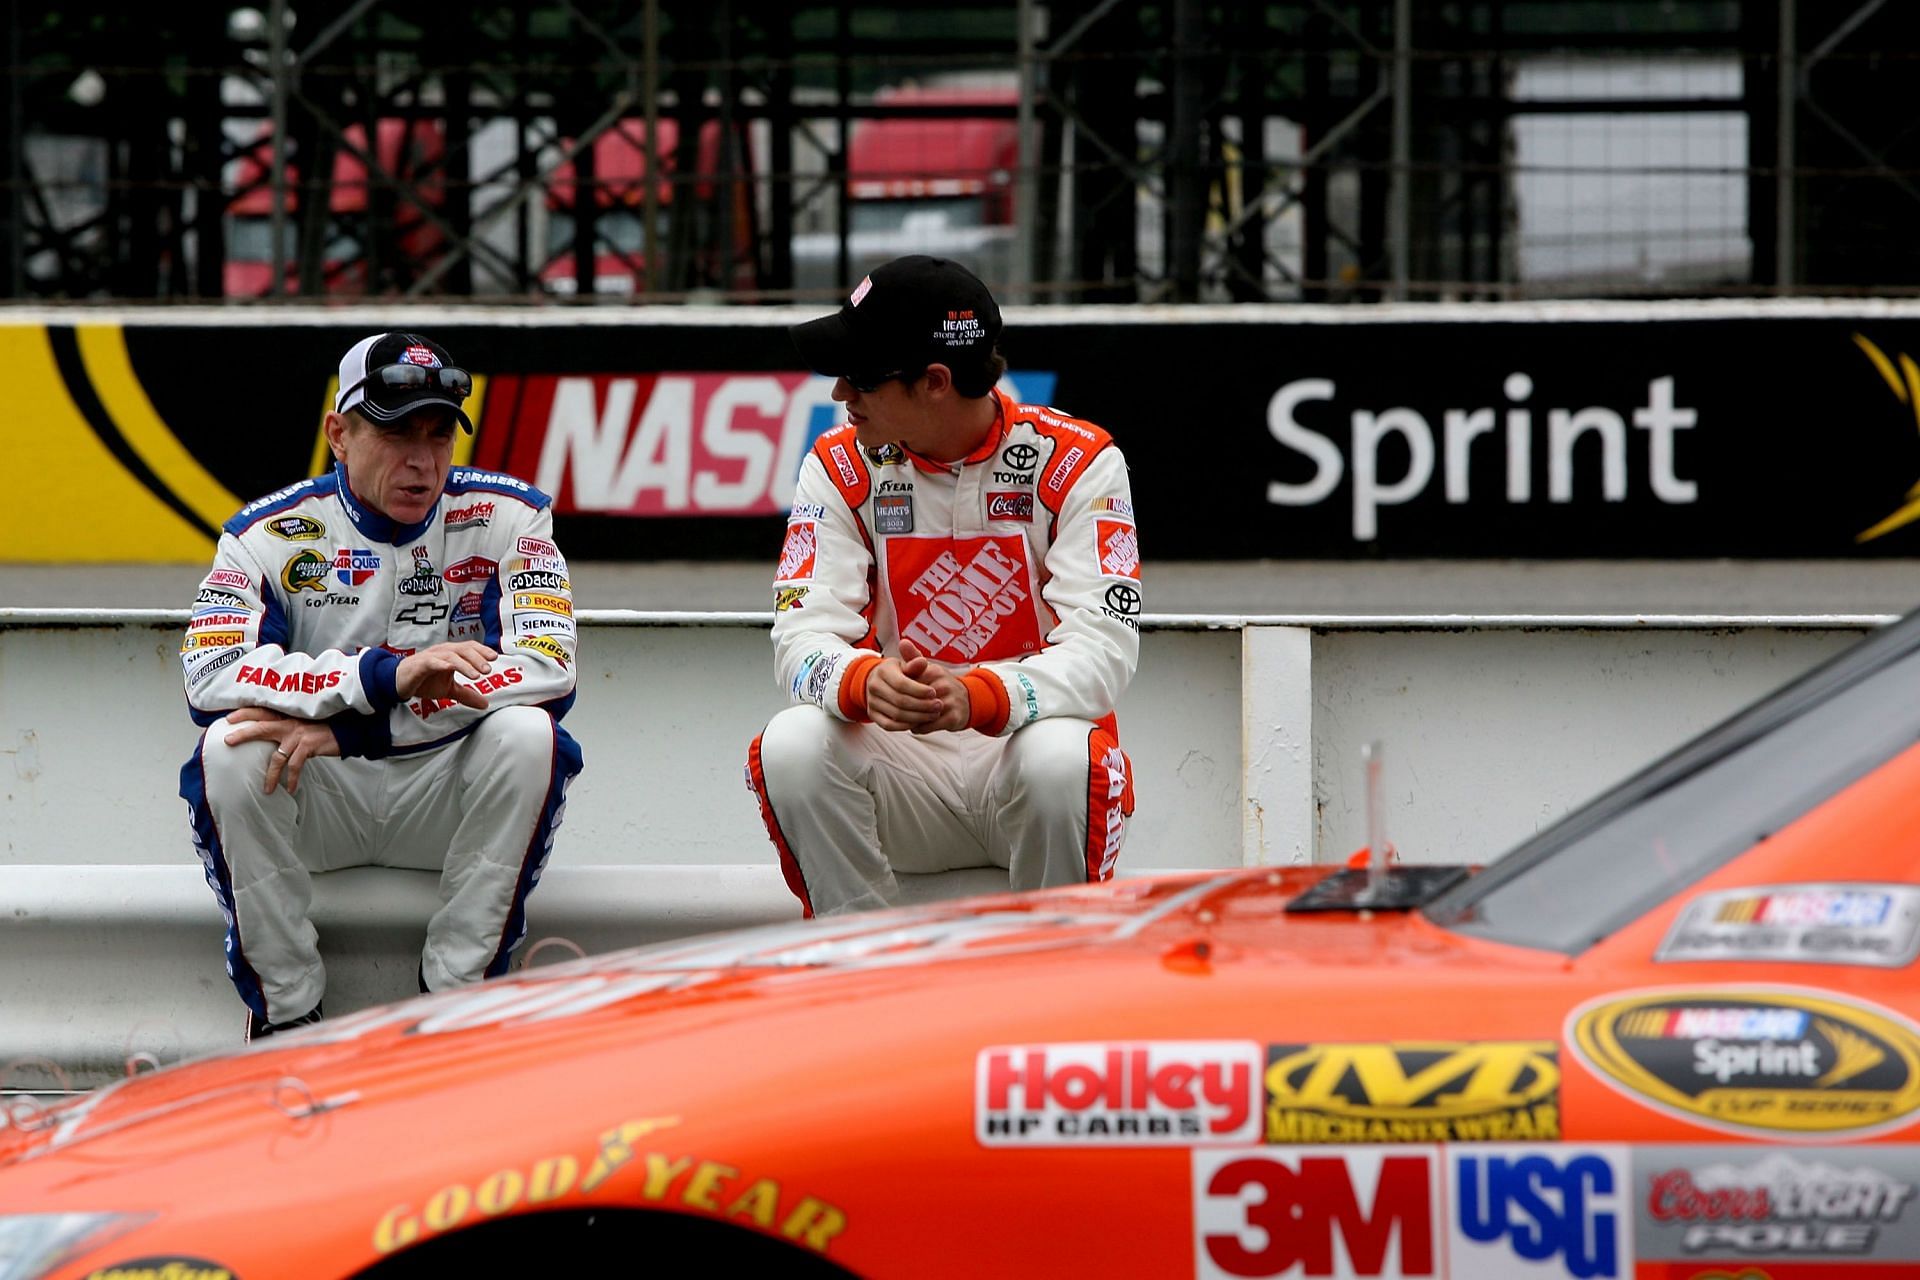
point(956, 614)
point(381, 656)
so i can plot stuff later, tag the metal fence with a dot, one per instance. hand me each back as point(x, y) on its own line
point(1082, 150)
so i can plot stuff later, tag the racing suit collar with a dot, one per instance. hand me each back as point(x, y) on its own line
point(373, 524)
point(988, 446)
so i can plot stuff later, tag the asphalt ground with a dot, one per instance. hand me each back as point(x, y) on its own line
point(1417, 587)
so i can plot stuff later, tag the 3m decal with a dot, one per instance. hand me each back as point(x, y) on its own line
point(353, 566)
point(797, 554)
point(1730, 1201)
point(1153, 1093)
point(964, 599)
point(1117, 543)
point(1010, 506)
point(295, 528)
point(1873, 925)
point(1775, 1062)
point(472, 569)
point(1414, 1091)
point(1527, 1211)
point(1316, 1211)
point(306, 571)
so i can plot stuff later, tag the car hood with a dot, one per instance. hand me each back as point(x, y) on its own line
point(1161, 956)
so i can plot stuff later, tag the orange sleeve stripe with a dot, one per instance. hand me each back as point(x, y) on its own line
point(988, 699)
point(853, 688)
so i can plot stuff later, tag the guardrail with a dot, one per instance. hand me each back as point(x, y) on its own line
point(1245, 734)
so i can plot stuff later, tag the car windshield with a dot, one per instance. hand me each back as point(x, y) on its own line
point(1631, 849)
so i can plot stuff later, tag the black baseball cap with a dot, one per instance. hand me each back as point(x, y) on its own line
point(909, 313)
point(382, 396)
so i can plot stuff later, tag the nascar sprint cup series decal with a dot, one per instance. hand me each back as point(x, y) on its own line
point(1776, 1062)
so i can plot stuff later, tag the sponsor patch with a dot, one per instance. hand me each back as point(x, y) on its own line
point(537, 564)
point(1414, 1091)
point(549, 645)
point(422, 613)
point(1524, 1211)
point(420, 355)
point(533, 624)
point(204, 619)
point(887, 455)
point(1115, 506)
point(806, 511)
point(1118, 545)
point(964, 599)
point(816, 677)
point(1316, 1211)
point(1057, 477)
point(296, 528)
point(797, 555)
point(475, 515)
point(467, 606)
point(844, 465)
point(204, 666)
point(306, 571)
point(1148, 1094)
point(1020, 456)
point(353, 566)
point(785, 598)
point(211, 639)
point(1122, 603)
point(1873, 925)
point(221, 599)
point(290, 682)
point(536, 547)
point(1728, 1201)
point(540, 600)
point(163, 1266)
point(472, 569)
point(1010, 506)
point(539, 580)
point(1755, 1061)
point(893, 513)
point(229, 578)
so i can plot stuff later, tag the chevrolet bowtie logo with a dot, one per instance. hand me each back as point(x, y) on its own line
point(427, 611)
point(1905, 385)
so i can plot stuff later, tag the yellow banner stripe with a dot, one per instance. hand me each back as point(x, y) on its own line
point(103, 350)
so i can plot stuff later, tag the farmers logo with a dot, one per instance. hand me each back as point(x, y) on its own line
point(1119, 546)
point(1414, 1091)
point(1173, 1093)
point(1767, 1062)
point(472, 569)
point(296, 528)
point(964, 599)
point(1010, 506)
point(796, 557)
point(353, 567)
point(306, 571)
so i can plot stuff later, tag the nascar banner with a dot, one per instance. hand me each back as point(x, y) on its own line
point(1668, 430)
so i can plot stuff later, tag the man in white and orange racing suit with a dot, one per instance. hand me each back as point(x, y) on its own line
point(956, 614)
point(381, 657)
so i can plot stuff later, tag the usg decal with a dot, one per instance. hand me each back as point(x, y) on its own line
point(1773, 1062)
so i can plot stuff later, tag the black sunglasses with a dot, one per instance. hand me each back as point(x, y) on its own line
point(866, 384)
point(414, 376)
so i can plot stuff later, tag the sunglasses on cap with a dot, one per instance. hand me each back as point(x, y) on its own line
point(868, 383)
point(412, 377)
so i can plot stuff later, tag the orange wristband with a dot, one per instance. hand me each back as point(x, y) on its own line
point(853, 688)
point(987, 698)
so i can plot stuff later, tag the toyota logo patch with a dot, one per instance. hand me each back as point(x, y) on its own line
point(1123, 599)
point(1020, 456)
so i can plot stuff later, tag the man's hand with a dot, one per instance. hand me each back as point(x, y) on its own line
point(430, 672)
point(914, 694)
point(296, 742)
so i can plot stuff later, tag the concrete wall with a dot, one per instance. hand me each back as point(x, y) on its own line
point(1245, 736)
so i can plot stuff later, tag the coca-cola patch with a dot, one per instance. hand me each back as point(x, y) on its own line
point(1118, 545)
point(796, 557)
point(1010, 506)
point(964, 599)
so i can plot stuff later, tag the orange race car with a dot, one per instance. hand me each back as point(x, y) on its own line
point(1674, 1035)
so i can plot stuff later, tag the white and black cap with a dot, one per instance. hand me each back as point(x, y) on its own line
point(390, 375)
